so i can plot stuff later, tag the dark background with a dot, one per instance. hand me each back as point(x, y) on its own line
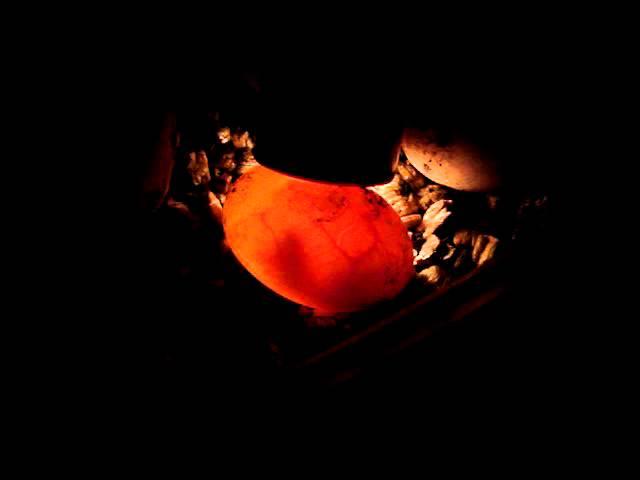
point(512, 350)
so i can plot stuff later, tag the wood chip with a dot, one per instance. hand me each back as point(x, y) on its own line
point(429, 247)
point(392, 193)
point(449, 253)
point(198, 167)
point(433, 275)
point(224, 135)
point(484, 247)
point(489, 250)
point(215, 206)
point(479, 242)
point(409, 174)
point(435, 216)
point(430, 194)
point(412, 221)
point(463, 237)
point(241, 139)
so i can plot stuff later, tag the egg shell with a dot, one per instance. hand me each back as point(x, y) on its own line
point(458, 164)
point(332, 247)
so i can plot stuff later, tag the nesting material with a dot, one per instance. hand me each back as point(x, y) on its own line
point(437, 241)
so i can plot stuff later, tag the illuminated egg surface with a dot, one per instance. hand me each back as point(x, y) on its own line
point(459, 164)
point(331, 247)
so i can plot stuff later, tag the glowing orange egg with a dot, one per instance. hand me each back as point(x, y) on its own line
point(331, 247)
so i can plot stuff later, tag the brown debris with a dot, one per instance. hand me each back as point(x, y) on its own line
point(430, 194)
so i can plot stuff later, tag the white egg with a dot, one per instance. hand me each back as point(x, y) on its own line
point(456, 163)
